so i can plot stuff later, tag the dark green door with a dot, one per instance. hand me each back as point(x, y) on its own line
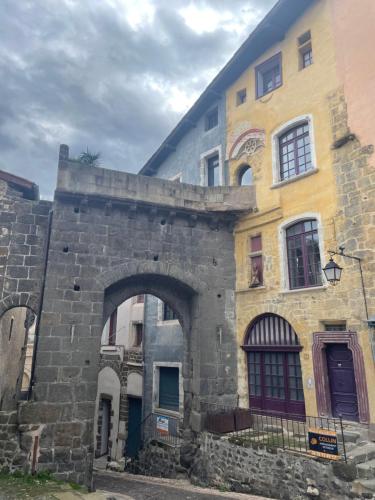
point(133, 442)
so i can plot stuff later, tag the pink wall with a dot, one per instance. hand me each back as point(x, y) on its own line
point(354, 32)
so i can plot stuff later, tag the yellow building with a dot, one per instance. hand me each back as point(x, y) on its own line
point(295, 130)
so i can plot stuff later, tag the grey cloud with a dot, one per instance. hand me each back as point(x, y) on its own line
point(80, 74)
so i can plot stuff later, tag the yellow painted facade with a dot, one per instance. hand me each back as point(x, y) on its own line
point(310, 92)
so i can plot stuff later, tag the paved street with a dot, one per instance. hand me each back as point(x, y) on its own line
point(123, 486)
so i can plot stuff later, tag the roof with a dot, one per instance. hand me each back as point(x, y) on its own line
point(29, 189)
point(268, 32)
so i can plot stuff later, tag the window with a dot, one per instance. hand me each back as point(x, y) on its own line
point(211, 119)
point(294, 151)
point(213, 177)
point(241, 97)
point(268, 75)
point(256, 262)
point(245, 176)
point(303, 255)
point(138, 334)
point(169, 388)
point(11, 328)
point(140, 299)
point(305, 50)
point(168, 313)
point(339, 326)
point(112, 328)
point(274, 369)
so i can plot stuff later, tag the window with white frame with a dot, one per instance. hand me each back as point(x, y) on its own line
point(211, 168)
point(303, 254)
point(293, 150)
point(168, 386)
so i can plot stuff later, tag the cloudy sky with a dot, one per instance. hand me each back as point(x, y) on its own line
point(111, 75)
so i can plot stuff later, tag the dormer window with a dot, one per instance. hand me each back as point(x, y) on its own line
point(268, 75)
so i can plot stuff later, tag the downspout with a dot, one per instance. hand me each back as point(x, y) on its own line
point(37, 325)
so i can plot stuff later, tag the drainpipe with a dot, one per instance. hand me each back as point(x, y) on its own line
point(37, 325)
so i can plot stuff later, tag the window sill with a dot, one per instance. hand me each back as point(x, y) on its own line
point(251, 289)
point(168, 322)
point(308, 289)
point(167, 413)
point(295, 178)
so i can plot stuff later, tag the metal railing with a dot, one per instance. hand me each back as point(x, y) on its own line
point(163, 428)
point(249, 427)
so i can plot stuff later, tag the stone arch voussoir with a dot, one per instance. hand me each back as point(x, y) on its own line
point(129, 269)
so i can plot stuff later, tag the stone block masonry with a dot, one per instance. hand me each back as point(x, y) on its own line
point(115, 235)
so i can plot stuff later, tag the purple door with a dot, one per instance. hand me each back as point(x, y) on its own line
point(342, 381)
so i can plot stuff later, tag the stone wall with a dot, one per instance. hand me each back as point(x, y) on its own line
point(272, 473)
point(23, 231)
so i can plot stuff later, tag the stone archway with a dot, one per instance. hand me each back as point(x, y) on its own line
point(114, 235)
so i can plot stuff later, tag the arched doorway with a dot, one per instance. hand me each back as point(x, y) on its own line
point(274, 369)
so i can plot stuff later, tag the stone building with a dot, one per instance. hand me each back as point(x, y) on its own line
point(299, 128)
point(120, 380)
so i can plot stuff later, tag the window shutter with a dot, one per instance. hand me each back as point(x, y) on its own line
point(168, 388)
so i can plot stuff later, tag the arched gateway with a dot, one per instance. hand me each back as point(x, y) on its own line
point(113, 235)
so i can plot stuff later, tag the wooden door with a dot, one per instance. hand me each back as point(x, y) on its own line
point(342, 382)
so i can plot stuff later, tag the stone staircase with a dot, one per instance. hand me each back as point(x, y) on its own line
point(361, 452)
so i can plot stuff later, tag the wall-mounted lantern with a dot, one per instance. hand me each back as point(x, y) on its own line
point(332, 272)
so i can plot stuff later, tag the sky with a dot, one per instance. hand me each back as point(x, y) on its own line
point(113, 76)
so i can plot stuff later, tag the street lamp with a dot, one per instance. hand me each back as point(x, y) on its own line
point(332, 271)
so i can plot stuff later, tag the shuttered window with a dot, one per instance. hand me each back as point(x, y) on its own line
point(168, 388)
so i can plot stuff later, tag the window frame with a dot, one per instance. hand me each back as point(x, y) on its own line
point(208, 115)
point(156, 384)
point(241, 96)
point(160, 316)
point(284, 268)
point(217, 150)
point(265, 67)
point(302, 236)
point(275, 138)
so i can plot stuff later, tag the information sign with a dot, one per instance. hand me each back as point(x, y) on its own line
point(162, 424)
point(323, 443)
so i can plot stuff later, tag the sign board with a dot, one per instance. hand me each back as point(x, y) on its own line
point(323, 443)
point(162, 425)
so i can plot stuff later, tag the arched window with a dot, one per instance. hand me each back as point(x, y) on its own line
point(245, 176)
point(274, 369)
point(302, 244)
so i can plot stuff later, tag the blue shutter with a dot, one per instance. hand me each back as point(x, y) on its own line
point(168, 388)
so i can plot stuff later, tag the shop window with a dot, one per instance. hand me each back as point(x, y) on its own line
point(303, 255)
point(268, 76)
point(256, 261)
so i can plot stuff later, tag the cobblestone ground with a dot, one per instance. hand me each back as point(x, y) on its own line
point(121, 486)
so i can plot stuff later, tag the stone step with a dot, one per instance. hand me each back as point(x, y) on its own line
point(366, 470)
point(362, 454)
point(350, 436)
point(368, 485)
